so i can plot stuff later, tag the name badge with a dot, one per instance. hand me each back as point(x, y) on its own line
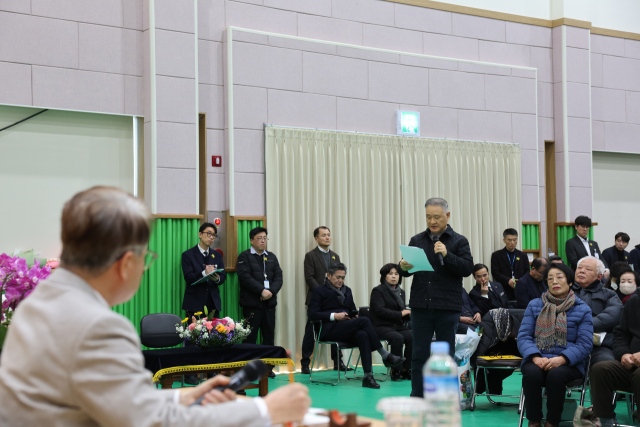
point(597, 255)
point(266, 284)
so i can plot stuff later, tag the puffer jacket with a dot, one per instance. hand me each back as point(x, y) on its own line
point(441, 288)
point(605, 306)
point(579, 334)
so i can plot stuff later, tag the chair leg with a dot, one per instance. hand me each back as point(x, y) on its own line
point(354, 377)
point(522, 405)
point(475, 384)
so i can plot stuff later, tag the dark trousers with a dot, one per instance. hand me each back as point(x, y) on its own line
point(263, 319)
point(211, 308)
point(308, 343)
point(555, 380)
point(397, 339)
point(357, 332)
point(607, 377)
point(426, 321)
point(601, 354)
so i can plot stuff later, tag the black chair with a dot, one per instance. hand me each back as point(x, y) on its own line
point(364, 312)
point(158, 330)
point(317, 331)
point(581, 384)
point(631, 402)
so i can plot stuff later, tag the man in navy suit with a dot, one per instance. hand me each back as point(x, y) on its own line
point(333, 303)
point(198, 262)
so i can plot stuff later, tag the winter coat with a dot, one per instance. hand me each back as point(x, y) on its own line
point(605, 306)
point(579, 335)
point(626, 336)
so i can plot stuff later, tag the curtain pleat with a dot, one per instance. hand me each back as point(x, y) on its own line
point(370, 191)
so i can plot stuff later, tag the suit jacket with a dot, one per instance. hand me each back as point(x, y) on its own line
point(251, 269)
point(195, 296)
point(469, 309)
point(497, 298)
point(610, 256)
point(575, 251)
point(385, 312)
point(528, 290)
point(634, 258)
point(315, 269)
point(69, 360)
point(325, 301)
point(501, 268)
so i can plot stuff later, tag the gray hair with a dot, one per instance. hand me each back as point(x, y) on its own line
point(438, 201)
point(599, 264)
point(337, 267)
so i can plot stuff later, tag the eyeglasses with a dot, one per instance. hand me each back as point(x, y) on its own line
point(149, 259)
point(262, 239)
point(214, 236)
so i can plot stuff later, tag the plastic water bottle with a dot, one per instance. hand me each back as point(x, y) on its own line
point(440, 377)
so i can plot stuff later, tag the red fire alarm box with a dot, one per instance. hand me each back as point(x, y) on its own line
point(216, 161)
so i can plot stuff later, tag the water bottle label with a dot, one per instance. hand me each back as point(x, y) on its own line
point(437, 385)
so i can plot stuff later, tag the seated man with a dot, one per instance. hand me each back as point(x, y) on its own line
point(555, 259)
point(87, 369)
point(530, 286)
point(470, 316)
point(485, 294)
point(605, 305)
point(621, 373)
point(333, 304)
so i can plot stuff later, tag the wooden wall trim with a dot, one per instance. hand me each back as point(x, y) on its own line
point(178, 216)
point(571, 224)
point(466, 10)
point(530, 222)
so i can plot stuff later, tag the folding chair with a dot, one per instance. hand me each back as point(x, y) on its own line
point(631, 402)
point(317, 331)
point(364, 312)
point(580, 384)
point(485, 365)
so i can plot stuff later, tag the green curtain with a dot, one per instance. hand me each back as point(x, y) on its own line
point(162, 286)
point(530, 237)
point(566, 232)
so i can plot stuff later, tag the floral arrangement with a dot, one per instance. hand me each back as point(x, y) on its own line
point(17, 281)
point(205, 332)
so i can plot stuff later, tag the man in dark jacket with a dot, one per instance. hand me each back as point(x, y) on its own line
point(617, 252)
point(485, 294)
point(580, 246)
point(605, 305)
point(316, 264)
point(436, 296)
point(260, 279)
point(469, 315)
point(509, 264)
point(333, 304)
point(634, 258)
point(198, 262)
point(621, 373)
point(531, 286)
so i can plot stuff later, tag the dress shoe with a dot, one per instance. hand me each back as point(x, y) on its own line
point(534, 424)
point(342, 367)
point(369, 382)
point(392, 361)
point(305, 370)
point(191, 379)
point(396, 375)
point(406, 374)
point(272, 374)
point(548, 424)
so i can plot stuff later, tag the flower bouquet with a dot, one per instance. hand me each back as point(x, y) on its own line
point(17, 281)
point(205, 332)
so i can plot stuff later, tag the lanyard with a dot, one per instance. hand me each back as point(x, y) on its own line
point(512, 262)
point(264, 265)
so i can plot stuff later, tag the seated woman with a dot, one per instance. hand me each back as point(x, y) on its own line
point(555, 340)
point(615, 271)
point(627, 284)
point(622, 373)
point(388, 312)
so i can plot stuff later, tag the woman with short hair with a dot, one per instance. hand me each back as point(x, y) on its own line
point(388, 313)
point(555, 340)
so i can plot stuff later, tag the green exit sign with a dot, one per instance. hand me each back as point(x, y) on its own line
point(408, 123)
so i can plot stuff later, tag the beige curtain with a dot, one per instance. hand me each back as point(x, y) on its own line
point(370, 191)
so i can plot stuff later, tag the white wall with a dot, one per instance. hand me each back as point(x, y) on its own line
point(47, 159)
point(616, 199)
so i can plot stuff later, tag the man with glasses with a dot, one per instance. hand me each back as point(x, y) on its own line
point(70, 360)
point(260, 279)
point(198, 262)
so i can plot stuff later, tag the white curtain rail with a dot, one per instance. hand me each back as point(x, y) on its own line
point(269, 125)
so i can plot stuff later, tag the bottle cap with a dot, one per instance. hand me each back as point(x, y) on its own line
point(440, 347)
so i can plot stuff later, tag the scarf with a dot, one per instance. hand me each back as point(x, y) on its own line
point(396, 294)
point(551, 327)
point(339, 291)
point(502, 320)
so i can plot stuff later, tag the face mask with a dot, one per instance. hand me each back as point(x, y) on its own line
point(627, 288)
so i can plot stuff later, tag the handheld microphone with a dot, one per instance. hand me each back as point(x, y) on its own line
point(251, 372)
point(439, 255)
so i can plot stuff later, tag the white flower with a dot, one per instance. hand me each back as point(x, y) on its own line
point(199, 327)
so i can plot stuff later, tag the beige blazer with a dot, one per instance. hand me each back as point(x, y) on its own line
point(69, 360)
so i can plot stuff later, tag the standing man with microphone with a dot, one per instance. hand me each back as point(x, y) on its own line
point(436, 296)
